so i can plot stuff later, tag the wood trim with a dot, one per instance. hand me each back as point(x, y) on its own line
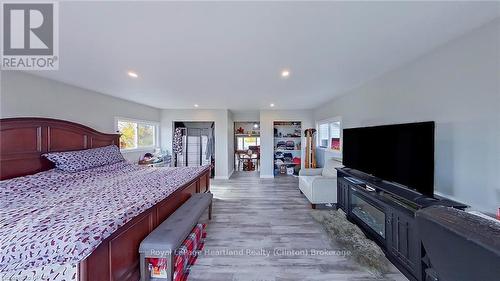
point(24, 140)
point(122, 258)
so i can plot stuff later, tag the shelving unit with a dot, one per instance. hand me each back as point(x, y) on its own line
point(287, 147)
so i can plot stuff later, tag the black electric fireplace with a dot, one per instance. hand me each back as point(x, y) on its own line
point(368, 213)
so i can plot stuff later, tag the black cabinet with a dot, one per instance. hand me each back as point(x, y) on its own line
point(370, 202)
point(385, 220)
point(342, 194)
point(402, 242)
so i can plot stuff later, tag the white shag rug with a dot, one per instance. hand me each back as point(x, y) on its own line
point(364, 251)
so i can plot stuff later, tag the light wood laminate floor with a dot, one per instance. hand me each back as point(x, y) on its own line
point(254, 220)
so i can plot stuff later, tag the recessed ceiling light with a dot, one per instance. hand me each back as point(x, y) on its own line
point(132, 74)
point(271, 105)
point(285, 73)
point(196, 105)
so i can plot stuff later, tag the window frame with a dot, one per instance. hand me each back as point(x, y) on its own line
point(156, 138)
point(328, 122)
point(257, 141)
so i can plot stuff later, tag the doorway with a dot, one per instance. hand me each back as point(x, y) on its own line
point(247, 146)
point(194, 144)
point(287, 148)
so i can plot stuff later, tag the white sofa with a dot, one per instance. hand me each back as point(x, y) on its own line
point(320, 185)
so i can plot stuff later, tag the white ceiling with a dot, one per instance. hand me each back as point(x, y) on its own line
point(230, 54)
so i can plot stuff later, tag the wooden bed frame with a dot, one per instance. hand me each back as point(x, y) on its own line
point(24, 140)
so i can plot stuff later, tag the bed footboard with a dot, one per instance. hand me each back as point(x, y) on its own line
point(117, 257)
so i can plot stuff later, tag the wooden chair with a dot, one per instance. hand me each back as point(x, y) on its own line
point(240, 160)
point(255, 158)
point(256, 154)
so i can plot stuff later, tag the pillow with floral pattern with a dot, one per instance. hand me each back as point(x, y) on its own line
point(80, 160)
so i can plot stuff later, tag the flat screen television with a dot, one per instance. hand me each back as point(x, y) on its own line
point(402, 153)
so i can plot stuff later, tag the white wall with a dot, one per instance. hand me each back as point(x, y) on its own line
point(267, 118)
point(219, 116)
point(26, 95)
point(458, 87)
point(246, 115)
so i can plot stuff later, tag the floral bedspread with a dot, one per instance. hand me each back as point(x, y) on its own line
point(56, 217)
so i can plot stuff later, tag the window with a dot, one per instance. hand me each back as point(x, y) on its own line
point(330, 134)
point(335, 135)
point(137, 134)
point(243, 143)
point(323, 135)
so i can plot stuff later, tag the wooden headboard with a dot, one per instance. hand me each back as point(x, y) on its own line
point(24, 140)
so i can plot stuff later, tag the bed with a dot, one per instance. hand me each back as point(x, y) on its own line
point(110, 254)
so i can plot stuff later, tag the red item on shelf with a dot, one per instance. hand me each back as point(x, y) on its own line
point(296, 160)
point(179, 275)
point(158, 267)
point(185, 256)
point(188, 252)
point(498, 214)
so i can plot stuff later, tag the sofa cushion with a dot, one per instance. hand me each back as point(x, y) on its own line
point(329, 169)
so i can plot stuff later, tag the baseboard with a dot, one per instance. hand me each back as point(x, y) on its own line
point(224, 177)
point(266, 176)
